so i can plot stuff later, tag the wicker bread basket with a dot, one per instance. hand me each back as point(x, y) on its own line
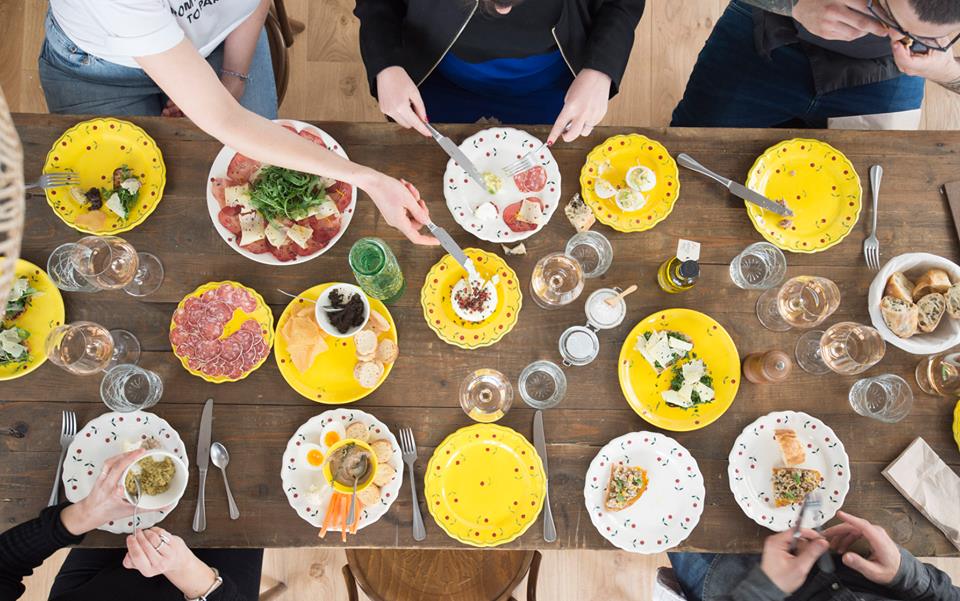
point(11, 197)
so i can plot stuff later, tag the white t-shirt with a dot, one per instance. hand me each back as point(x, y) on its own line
point(118, 30)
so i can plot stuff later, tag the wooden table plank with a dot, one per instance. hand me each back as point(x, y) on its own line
point(256, 416)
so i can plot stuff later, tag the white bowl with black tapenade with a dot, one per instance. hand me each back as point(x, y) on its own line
point(342, 310)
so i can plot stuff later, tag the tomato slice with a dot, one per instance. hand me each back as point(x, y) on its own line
point(510, 216)
point(230, 218)
point(242, 168)
point(218, 185)
point(342, 194)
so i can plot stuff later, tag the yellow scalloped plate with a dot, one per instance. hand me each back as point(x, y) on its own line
point(642, 386)
point(262, 314)
point(438, 310)
point(956, 425)
point(330, 379)
point(43, 315)
point(611, 160)
point(820, 186)
point(485, 485)
point(93, 149)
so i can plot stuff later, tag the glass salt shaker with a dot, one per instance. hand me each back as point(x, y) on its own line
point(579, 345)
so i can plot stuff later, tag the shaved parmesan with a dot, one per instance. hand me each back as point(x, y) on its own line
point(530, 212)
point(276, 233)
point(325, 209)
point(238, 196)
point(300, 234)
point(251, 227)
point(672, 397)
point(706, 393)
point(116, 205)
point(680, 345)
point(693, 371)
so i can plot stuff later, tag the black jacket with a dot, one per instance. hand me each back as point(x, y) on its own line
point(416, 34)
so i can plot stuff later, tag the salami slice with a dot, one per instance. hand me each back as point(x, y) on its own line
point(235, 371)
point(209, 296)
point(246, 301)
point(178, 336)
point(531, 180)
point(195, 316)
point(194, 363)
point(229, 217)
point(342, 194)
point(210, 329)
point(253, 326)
point(219, 311)
point(230, 350)
point(250, 358)
point(212, 369)
point(180, 316)
point(244, 338)
point(242, 168)
point(192, 303)
point(208, 350)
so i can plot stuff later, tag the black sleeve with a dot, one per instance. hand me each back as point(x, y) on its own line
point(25, 547)
point(611, 38)
point(916, 581)
point(380, 24)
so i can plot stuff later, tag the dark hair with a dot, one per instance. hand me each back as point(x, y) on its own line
point(489, 7)
point(939, 12)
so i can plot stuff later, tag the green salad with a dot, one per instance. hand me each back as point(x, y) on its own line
point(19, 298)
point(280, 193)
point(12, 347)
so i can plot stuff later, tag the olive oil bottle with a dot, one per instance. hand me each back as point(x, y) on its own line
point(681, 272)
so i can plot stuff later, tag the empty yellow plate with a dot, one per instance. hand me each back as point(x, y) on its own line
point(93, 149)
point(44, 313)
point(610, 161)
point(818, 183)
point(438, 308)
point(642, 386)
point(485, 485)
point(956, 425)
point(330, 379)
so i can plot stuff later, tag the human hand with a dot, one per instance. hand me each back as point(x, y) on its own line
point(843, 20)
point(584, 106)
point(106, 500)
point(171, 110)
point(401, 206)
point(786, 570)
point(884, 560)
point(155, 551)
point(940, 67)
point(400, 99)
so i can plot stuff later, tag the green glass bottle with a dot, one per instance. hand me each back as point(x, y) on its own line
point(376, 269)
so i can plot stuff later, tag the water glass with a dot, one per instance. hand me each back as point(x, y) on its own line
point(128, 388)
point(887, 398)
point(542, 384)
point(759, 267)
point(486, 395)
point(62, 269)
point(593, 251)
point(557, 280)
point(376, 269)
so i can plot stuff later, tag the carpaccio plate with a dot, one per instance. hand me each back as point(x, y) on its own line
point(231, 168)
point(222, 331)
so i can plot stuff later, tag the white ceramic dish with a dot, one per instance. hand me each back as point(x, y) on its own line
point(170, 496)
point(219, 169)
point(947, 334)
point(670, 508)
point(491, 150)
point(323, 320)
point(102, 438)
point(755, 453)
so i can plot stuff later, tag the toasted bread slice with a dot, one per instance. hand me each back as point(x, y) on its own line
point(626, 485)
point(902, 317)
point(793, 484)
point(931, 308)
point(790, 448)
point(900, 286)
point(935, 280)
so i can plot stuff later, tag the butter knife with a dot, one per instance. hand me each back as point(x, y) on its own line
point(738, 190)
point(203, 462)
point(450, 245)
point(540, 443)
point(454, 152)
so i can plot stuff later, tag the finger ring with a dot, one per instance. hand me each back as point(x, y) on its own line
point(163, 540)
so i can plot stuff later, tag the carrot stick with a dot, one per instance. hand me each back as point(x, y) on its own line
point(356, 518)
point(329, 519)
point(343, 521)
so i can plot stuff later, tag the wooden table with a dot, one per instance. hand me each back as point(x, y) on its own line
point(256, 417)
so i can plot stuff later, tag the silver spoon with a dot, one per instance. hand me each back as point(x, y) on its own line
point(361, 470)
point(136, 501)
point(220, 458)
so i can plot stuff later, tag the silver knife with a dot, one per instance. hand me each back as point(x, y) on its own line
point(203, 462)
point(540, 443)
point(450, 245)
point(738, 190)
point(454, 152)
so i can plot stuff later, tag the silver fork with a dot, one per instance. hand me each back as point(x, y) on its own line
point(68, 429)
point(527, 161)
point(408, 448)
point(871, 246)
point(55, 180)
point(136, 501)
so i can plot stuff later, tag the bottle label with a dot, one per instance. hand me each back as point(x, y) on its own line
point(688, 250)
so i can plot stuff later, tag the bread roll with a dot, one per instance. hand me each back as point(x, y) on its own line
point(931, 308)
point(900, 286)
point(902, 317)
point(953, 301)
point(935, 280)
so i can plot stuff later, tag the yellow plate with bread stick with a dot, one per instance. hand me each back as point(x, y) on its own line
point(815, 181)
point(43, 313)
point(330, 379)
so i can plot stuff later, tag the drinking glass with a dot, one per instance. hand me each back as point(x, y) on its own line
point(108, 263)
point(83, 347)
point(542, 384)
point(127, 387)
point(376, 269)
point(593, 251)
point(846, 348)
point(486, 395)
point(557, 280)
point(802, 302)
point(887, 398)
point(62, 269)
point(759, 267)
point(939, 375)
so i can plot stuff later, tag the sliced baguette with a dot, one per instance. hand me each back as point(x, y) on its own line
point(902, 317)
point(935, 280)
point(953, 301)
point(900, 286)
point(931, 308)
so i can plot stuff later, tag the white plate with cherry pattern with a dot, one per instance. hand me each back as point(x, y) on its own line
point(667, 511)
point(755, 453)
point(306, 488)
point(108, 435)
point(491, 150)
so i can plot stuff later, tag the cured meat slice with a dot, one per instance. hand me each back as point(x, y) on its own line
point(178, 336)
point(244, 338)
point(235, 371)
point(210, 329)
point(312, 136)
point(230, 350)
point(341, 193)
point(531, 180)
point(218, 186)
point(209, 296)
point(252, 326)
point(219, 311)
point(229, 217)
point(250, 358)
point(258, 247)
point(242, 168)
point(192, 303)
point(194, 363)
point(207, 350)
point(246, 301)
point(180, 316)
point(510, 216)
point(195, 317)
point(286, 252)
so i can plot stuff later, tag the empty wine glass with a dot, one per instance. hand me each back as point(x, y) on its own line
point(802, 302)
point(846, 348)
point(486, 395)
point(84, 348)
point(107, 263)
point(759, 267)
point(557, 280)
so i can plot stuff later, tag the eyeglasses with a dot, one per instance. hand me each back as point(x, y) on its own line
point(919, 44)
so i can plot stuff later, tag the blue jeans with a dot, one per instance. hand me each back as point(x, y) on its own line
point(690, 570)
point(733, 86)
point(78, 83)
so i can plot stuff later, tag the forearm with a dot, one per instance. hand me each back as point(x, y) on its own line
point(380, 25)
point(611, 38)
point(781, 7)
point(25, 547)
point(953, 84)
point(240, 45)
point(916, 581)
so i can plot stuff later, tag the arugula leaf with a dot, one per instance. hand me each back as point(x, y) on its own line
point(280, 193)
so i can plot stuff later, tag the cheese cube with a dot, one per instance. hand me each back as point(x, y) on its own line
point(116, 205)
point(252, 227)
point(530, 212)
point(238, 196)
point(300, 234)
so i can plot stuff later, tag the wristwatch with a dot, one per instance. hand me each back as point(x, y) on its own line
point(217, 583)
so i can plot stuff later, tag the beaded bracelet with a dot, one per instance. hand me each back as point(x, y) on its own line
point(240, 76)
